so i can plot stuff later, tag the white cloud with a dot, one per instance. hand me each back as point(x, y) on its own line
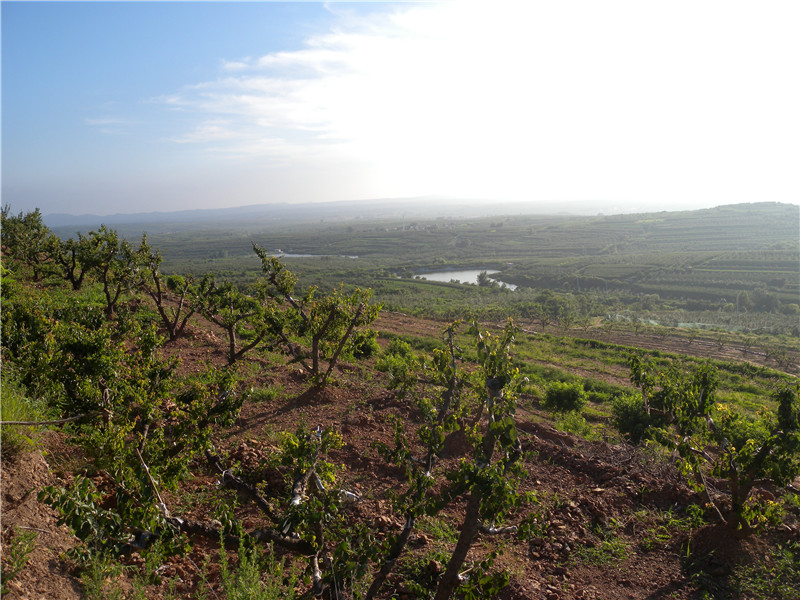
point(573, 99)
point(108, 125)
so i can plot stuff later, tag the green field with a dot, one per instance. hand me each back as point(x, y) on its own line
point(740, 259)
point(733, 267)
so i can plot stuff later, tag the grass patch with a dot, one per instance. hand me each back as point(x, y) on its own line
point(439, 530)
point(266, 395)
point(16, 406)
point(609, 549)
point(778, 577)
point(575, 423)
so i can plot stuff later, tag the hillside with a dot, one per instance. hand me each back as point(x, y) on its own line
point(693, 260)
point(612, 521)
point(268, 427)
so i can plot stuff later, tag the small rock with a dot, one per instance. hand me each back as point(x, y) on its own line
point(434, 567)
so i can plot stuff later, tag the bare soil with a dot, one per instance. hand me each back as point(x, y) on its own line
point(590, 494)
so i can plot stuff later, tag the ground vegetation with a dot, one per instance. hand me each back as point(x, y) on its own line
point(525, 459)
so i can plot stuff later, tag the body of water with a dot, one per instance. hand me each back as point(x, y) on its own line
point(463, 276)
point(281, 254)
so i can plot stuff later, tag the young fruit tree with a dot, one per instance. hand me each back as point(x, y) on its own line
point(115, 266)
point(491, 479)
point(26, 240)
point(245, 319)
point(712, 437)
point(74, 257)
point(441, 413)
point(487, 480)
point(171, 295)
point(326, 322)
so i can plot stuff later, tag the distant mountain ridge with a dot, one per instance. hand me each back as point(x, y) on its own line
point(406, 209)
point(383, 208)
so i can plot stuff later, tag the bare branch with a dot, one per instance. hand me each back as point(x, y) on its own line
point(483, 528)
point(93, 414)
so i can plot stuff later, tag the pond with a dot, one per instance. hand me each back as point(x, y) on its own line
point(462, 276)
point(278, 253)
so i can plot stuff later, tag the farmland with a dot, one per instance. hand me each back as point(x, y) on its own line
point(219, 429)
point(697, 260)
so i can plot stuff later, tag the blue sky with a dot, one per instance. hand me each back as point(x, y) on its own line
point(125, 107)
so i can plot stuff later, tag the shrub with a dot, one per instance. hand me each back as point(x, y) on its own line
point(573, 422)
point(401, 363)
point(630, 418)
point(364, 343)
point(564, 397)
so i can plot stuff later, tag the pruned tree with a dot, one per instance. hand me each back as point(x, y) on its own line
point(488, 478)
point(752, 450)
point(245, 319)
point(75, 257)
point(491, 479)
point(324, 321)
point(116, 266)
point(26, 239)
point(711, 437)
point(171, 295)
point(643, 376)
point(442, 413)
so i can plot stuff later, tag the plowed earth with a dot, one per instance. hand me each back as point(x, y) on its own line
point(611, 519)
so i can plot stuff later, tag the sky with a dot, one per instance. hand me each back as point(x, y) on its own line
point(117, 107)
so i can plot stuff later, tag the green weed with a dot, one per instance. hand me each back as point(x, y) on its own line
point(777, 578)
point(97, 578)
point(439, 529)
point(266, 395)
point(610, 549)
point(16, 556)
point(16, 406)
point(258, 576)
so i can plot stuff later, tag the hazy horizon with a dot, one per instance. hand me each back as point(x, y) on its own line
point(120, 108)
point(582, 207)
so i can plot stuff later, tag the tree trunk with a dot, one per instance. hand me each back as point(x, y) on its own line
point(394, 554)
point(231, 345)
point(314, 355)
point(739, 495)
point(449, 582)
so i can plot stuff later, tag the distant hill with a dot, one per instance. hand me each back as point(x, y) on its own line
point(429, 207)
point(731, 227)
